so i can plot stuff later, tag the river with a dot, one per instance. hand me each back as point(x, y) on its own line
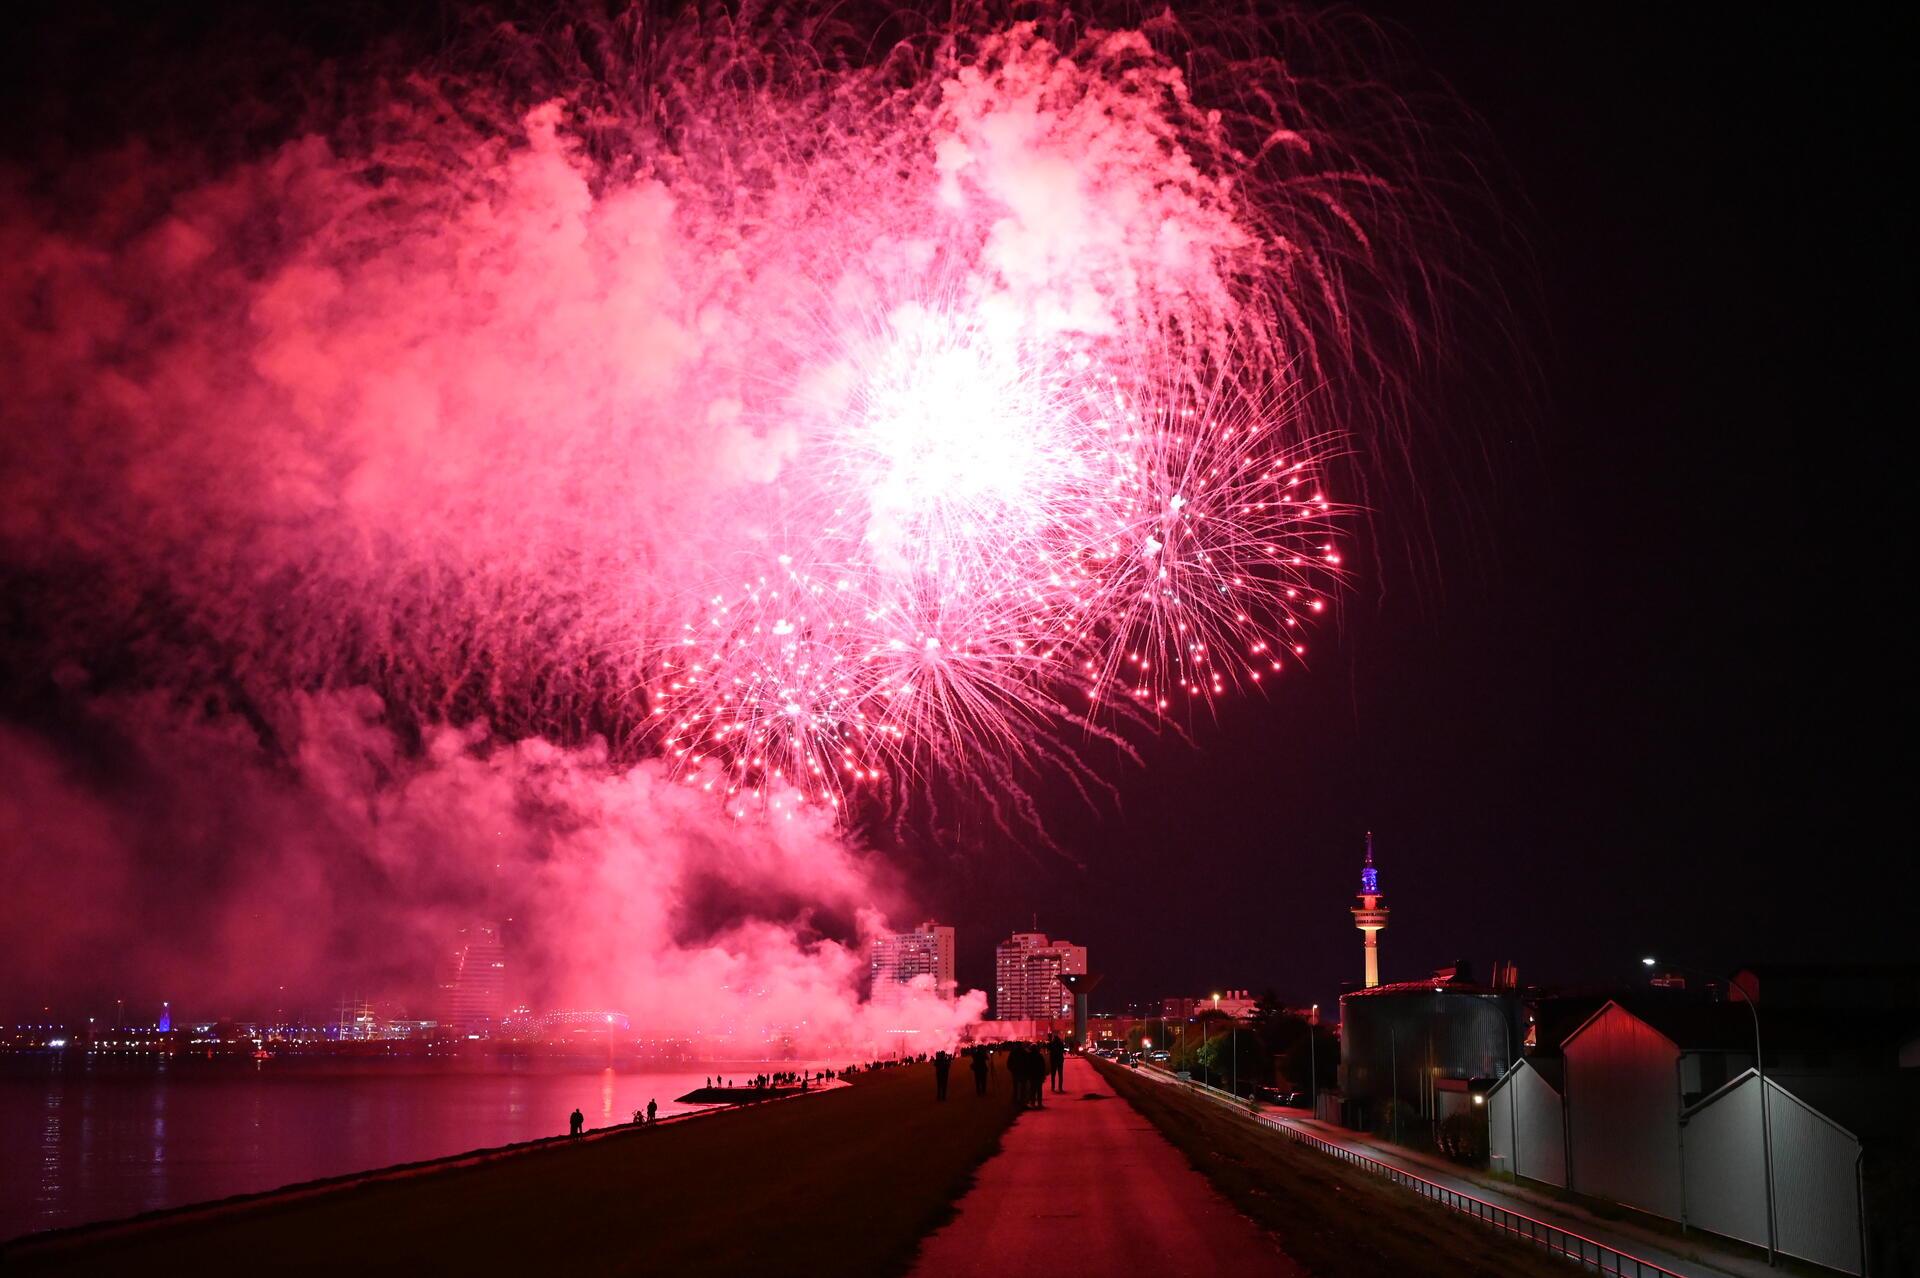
point(101, 1141)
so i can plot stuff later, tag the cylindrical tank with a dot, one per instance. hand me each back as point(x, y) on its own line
point(1401, 1039)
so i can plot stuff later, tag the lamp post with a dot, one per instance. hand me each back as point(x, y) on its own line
point(1313, 1062)
point(1513, 1117)
point(1207, 1037)
point(1760, 1074)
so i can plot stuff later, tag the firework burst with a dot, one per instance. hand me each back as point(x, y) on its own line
point(994, 545)
point(815, 410)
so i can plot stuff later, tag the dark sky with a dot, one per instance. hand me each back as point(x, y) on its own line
point(1654, 701)
point(1653, 698)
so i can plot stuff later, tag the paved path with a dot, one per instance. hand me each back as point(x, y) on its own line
point(1086, 1186)
point(1694, 1258)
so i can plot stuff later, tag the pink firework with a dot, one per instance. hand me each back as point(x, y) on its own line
point(811, 409)
point(994, 544)
point(1055, 385)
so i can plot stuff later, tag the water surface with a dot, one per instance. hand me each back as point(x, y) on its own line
point(83, 1141)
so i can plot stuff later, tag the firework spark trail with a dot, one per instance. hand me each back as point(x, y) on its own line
point(414, 481)
point(871, 407)
point(1078, 542)
point(1022, 489)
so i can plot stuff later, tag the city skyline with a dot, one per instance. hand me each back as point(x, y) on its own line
point(590, 591)
point(1562, 672)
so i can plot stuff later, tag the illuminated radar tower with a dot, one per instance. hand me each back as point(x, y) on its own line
point(1370, 916)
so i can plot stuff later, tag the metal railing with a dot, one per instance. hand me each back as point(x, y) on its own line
point(1593, 1255)
point(1596, 1256)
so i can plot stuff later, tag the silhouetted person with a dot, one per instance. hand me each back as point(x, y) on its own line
point(576, 1123)
point(980, 1070)
point(941, 1064)
point(1057, 1062)
point(1027, 1067)
point(653, 1107)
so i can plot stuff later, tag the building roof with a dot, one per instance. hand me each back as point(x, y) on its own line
point(1870, 1105)
point(1426, 987)
point(1691, 1027)
point(1551, 1069)
point(1863, 986)
point(1555, 1019)
point(1696, 1026)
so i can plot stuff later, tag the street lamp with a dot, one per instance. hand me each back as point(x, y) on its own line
point(1513, 1085)
point(1313, 1062)
point(1208, 1038)
point(1760, 1074)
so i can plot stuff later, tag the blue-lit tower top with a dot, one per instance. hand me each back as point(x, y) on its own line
point(1369, 877)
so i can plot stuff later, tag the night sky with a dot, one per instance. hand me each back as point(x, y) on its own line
point(1651, 704)
point(1626, 679)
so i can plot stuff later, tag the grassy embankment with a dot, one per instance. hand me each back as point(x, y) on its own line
point(1332, 1218)
point(846, 1182)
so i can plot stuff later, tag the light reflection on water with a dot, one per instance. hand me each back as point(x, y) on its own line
point(118, 1138)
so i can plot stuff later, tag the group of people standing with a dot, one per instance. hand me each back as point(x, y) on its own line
point(577, 1121)
point(779, 1078)
point(1029, 1065)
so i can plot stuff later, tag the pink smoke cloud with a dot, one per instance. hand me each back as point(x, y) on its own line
point(353, 486)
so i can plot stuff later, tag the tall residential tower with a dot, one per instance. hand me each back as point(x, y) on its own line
point(1370, 916)
point(1027, 968)
point(894, 960)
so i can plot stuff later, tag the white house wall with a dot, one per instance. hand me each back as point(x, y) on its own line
point(1816, 1191)
point(1726, 1179)
point(1816, 1185)
point(1623, 1110)
point(1527, 1100)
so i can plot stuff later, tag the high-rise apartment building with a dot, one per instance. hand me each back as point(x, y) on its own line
point(473, 989)
point(1027, 968)
point(895, 959)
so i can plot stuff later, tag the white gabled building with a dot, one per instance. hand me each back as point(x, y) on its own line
point(1822, 1162)
point(1662, 1113)
point(1526, 1121)
point(1628, 1076)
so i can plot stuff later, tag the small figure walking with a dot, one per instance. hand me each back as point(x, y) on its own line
point(576, 1122)
point(941, 1064)
point(980, 1069)
point(1057, 1062)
